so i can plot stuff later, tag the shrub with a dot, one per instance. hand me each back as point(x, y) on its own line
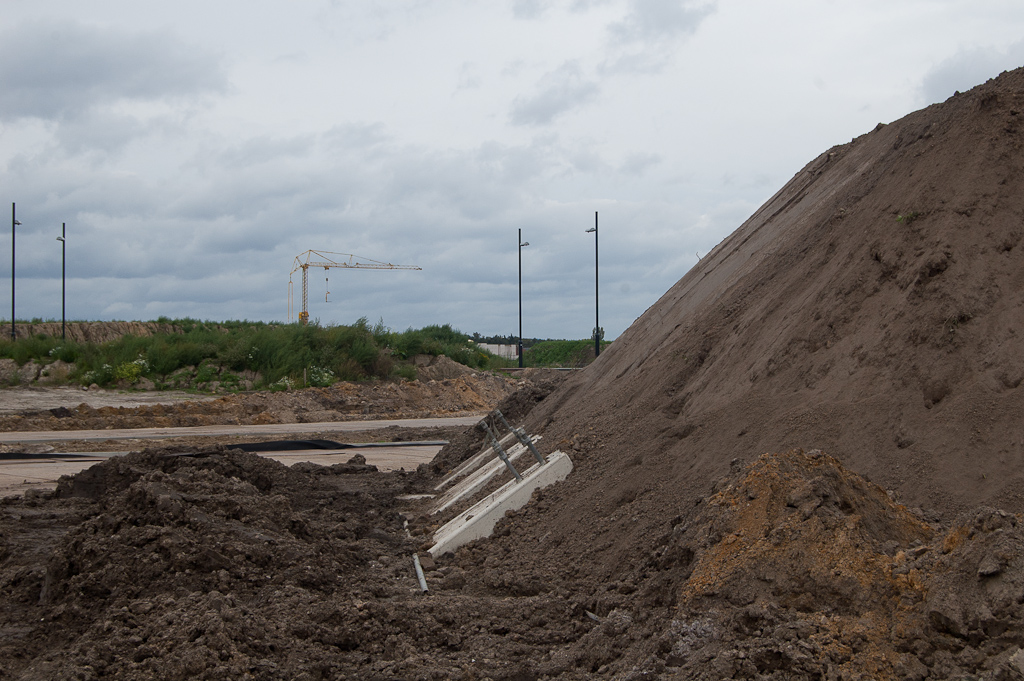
point(320, 377)
point(131, 371)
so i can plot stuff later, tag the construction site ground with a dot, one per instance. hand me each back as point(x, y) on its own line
point(803, 462)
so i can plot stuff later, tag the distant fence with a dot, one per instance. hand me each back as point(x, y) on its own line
point(506, 351)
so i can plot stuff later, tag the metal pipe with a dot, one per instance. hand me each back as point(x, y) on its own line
point(528, 441)
point(419, 572)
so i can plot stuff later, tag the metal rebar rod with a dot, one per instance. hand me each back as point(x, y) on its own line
point(496, 446)
point(419, 572)
point(522, 437)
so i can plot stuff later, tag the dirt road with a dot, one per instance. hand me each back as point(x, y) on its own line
point(50, 454)
point(17, 400)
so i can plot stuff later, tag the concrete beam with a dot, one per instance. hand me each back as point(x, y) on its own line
point(472, 463)
point(479, 478)
point(479, 520)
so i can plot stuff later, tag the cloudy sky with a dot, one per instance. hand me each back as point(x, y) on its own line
point(194, 149)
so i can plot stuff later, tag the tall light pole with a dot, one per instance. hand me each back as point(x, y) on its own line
point(521, 244)
point(14, 223)
point(597, 323)
point(63, 276)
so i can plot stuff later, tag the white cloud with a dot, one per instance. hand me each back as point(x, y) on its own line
point(529, 9)
point(651, 31)
point(657, 20)
point(967, 68)
point(638, 163)
point(558, 92)
point(61, 70)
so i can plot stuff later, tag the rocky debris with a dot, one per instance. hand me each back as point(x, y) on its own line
point(440, 368)
point(801, 568)
point(219, 564)
point(56, 371)
point(12, 374)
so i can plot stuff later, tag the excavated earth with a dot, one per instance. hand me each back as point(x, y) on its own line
point(457, 391)
point(790, 467)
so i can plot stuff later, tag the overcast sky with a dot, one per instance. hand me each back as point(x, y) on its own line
point(194, 149)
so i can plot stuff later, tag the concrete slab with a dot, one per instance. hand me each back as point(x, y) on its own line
point(19, 475)
point(476, 481)
point(194, 431)
point(474, 462)
point(479, 520)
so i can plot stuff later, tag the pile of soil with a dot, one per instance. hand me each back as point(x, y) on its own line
point(221, 564)
point(873, 309)
point(870, 310)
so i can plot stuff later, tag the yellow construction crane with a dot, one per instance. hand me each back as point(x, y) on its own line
point(320, 259)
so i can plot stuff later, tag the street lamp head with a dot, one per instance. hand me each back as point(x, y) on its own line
point(60, 238)
point(592, 229)
point(17, 222)
point(525, 243)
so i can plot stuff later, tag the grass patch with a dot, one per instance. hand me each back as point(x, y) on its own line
point(561, 353)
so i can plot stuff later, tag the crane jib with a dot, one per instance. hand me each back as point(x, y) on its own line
point(322, 259)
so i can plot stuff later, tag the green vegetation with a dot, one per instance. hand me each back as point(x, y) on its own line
point(561, 353)
point(233, 355)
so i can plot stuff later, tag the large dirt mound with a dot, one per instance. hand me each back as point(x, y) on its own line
point(873, 308)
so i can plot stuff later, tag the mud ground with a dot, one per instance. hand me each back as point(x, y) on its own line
point(191, 560)
point(195, 561)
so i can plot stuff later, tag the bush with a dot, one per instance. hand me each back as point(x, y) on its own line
point(320, 377)
point(131, 371)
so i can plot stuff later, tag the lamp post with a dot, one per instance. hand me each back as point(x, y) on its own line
point(521, 244)
point(63, 277)
point(597, 322)
point(14, 223)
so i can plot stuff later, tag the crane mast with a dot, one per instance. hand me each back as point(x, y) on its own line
point(322, 259)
